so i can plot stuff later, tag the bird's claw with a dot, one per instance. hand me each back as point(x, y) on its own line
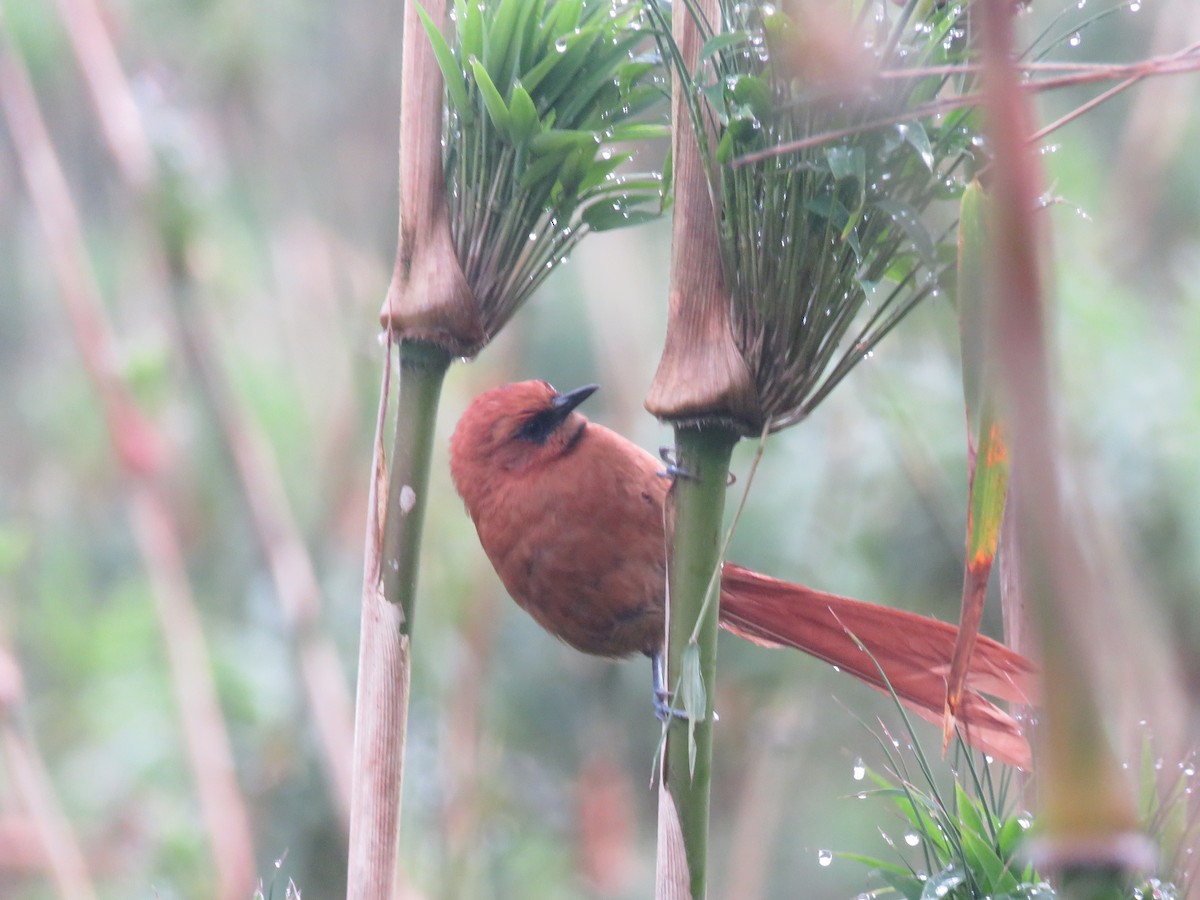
point(663, 708)
point(673, 469)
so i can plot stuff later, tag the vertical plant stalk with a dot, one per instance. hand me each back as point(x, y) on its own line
point(703, 386)
point(140, 450)
point(697, 507)
point(389, 595)
point(1088, 816)
point(58, 845)
point(429, 308)
point(701, 373)
point(287, 558)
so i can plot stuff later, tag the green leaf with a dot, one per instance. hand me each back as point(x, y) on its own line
point(914, 134)
point(986, 865)
point(559, 140)
point(974, 244)
point(692, 695)
point(498, 49)
point(721, 42)
point(910, 223)
point(470, 30)
point(456, 84)
point(607, 215)
point(600, 169)
point(497, 111)
point(1010, 836)
point(555, 72)
point(938, 886)
point(968, 815)
point(755, 93)
point(908, 885)
point(637, 131)
point(524, 122)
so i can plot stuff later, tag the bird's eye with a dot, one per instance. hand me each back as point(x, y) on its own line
point(537, 428)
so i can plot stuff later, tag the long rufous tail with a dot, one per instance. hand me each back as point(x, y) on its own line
point(913, 652)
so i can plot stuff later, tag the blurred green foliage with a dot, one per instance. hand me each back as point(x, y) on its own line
point(287, 114)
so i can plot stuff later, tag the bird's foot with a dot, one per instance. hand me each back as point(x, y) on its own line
point(663, 708)
point(673, 469)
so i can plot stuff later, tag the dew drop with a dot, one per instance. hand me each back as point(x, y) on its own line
point(1189, 770)
point(1135, 6)
point(1074, 39)
point(560, 45)
point(912, 838)
point(824, 857)
point(860, 770)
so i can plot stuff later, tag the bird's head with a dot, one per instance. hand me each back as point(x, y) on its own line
point(515, 427)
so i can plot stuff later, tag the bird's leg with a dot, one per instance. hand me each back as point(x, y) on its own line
point(662, 697)
point(673, 469)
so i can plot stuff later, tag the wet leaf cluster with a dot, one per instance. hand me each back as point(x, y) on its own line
point(546, 102)
point(826, 174)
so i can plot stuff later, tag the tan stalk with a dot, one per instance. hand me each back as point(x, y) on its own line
point(701, 374)
point(430, 310)
point(428, 299)
point(1088, 819)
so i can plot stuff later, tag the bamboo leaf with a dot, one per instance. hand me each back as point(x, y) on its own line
point(554, 74)
point(914, 135)
point(721, 42)
point(607, 215)
point(494, 103)
point(498, 49)
point(988, 457)
point(693, 696)
point(456, 84)
point(523, 115)
point(637, 131)
point(938, 886)
point(910, 223)
point(982, 859)
point(470, 30)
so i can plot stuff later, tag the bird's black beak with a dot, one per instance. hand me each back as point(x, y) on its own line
point(563, 404)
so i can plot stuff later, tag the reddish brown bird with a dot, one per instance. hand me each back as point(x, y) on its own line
point(571, 516)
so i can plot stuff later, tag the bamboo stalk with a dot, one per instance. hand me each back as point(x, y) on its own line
point(389, 602)
point(697, 508)
point(1088, 816)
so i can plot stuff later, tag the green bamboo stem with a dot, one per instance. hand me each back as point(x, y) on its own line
point(422, 368)
point(698, 501)
point(384, 664)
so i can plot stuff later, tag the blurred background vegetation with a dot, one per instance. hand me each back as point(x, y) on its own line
point(529, 765)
